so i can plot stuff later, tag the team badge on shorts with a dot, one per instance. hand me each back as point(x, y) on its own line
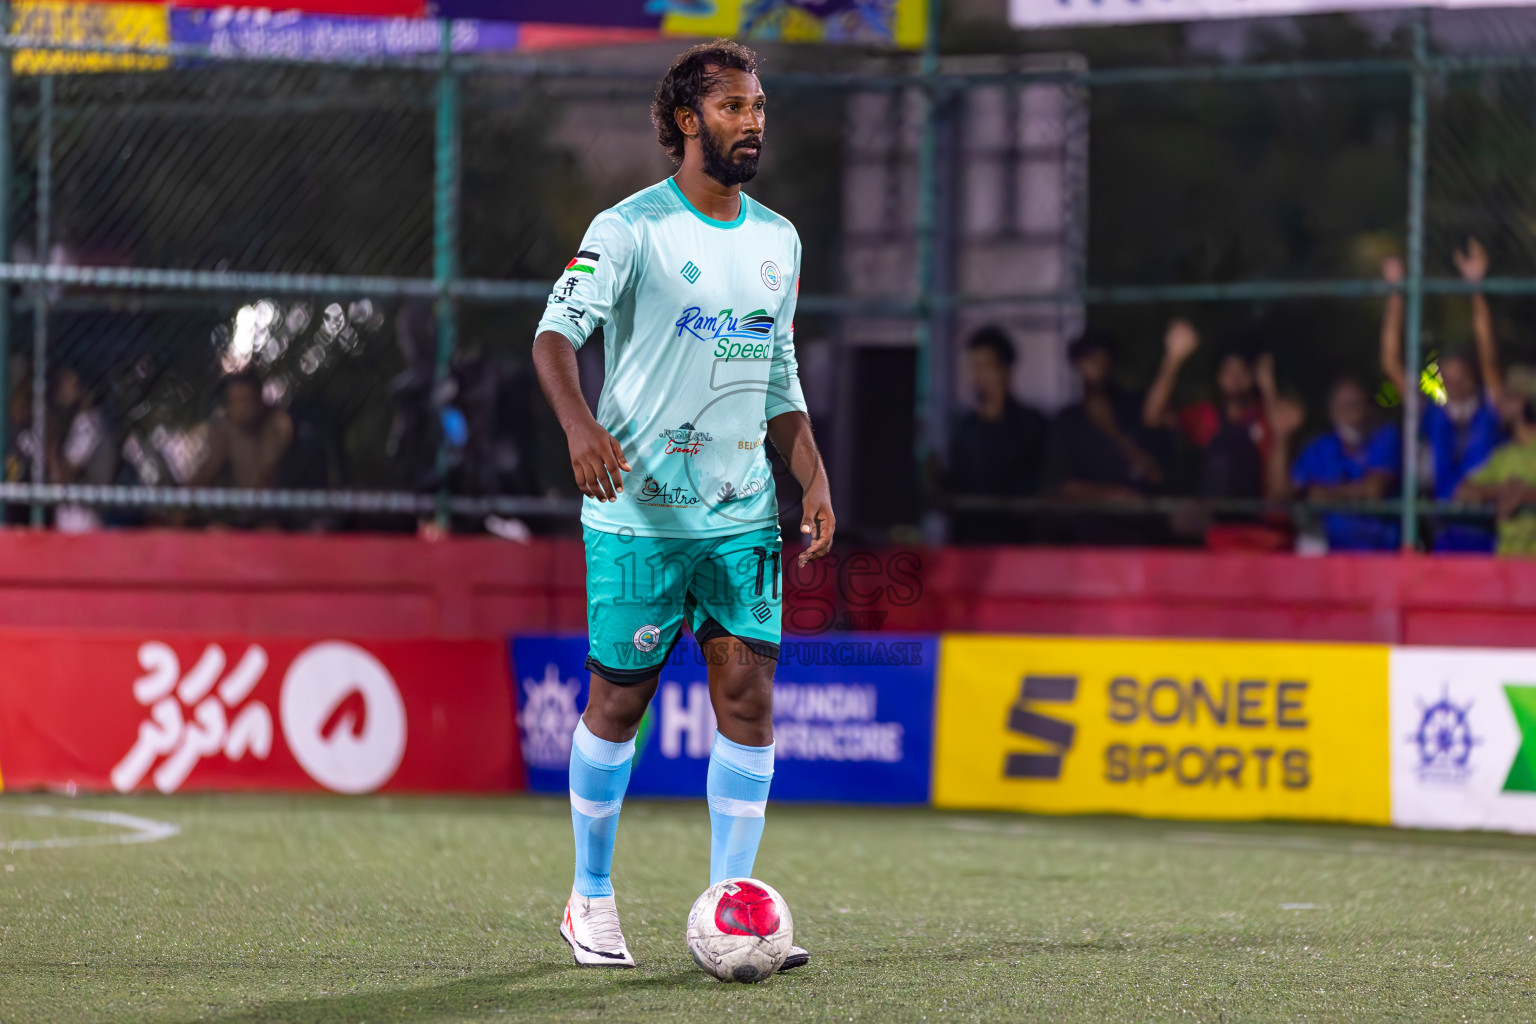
point(771, 276)
point(647, 637)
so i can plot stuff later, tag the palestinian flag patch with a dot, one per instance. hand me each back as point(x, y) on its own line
point(584, 263)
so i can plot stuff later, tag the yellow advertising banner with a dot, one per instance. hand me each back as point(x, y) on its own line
point(87, 23)
point(1163, 728)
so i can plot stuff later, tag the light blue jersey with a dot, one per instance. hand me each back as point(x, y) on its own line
point(698, 346)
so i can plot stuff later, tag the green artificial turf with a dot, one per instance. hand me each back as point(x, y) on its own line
point(300, 909)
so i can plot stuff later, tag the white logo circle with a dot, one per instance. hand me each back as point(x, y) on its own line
point(771, 276)
point(343, 717)
point(647, 637)
point(548, 718)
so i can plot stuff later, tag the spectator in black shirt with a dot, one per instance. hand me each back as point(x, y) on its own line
point(996, 446)
point(1099, 450)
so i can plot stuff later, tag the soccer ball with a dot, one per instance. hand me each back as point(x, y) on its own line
point(740, 930)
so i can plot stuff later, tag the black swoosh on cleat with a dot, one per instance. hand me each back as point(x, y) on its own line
point(595, 952)
point(794, 960)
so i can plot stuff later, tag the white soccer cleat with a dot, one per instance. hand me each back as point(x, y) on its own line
point(798, 956)
point(591, 926)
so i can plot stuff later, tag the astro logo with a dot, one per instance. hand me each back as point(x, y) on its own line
point(1444, 741)
point(1024, 720)
point(690, 272)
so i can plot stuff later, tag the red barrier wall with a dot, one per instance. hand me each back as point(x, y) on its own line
point(1384, 599)
point(275, 584)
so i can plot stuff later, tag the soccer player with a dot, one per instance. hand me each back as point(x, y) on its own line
point(694, 284)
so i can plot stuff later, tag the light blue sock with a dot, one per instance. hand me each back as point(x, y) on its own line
point(599, 777)
point(739, 777)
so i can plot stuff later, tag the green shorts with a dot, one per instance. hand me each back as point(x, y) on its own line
point(640, 589)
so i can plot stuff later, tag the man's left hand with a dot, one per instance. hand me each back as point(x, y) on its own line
point(817, 524)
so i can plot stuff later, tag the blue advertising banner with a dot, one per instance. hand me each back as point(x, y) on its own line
point(852, 718)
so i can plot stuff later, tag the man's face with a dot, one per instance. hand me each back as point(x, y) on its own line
point(989, 374)
point(1460, 381)
point(67, 390)
point(1095, 367)
point(242, 404)
point(731, 128)
point(1234, 377)
point(1347, 408)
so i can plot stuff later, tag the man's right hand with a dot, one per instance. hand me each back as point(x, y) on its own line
point(1471, 261)
point(596, 461)
point(1287, 417)
point(1180, 340)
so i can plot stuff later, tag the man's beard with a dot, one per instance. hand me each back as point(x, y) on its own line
point(719, 164)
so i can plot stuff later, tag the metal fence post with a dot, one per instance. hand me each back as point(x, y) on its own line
point(1418, 117)
point(40, 293)
point(931, 401)
point(5, 240)
point(445, 209)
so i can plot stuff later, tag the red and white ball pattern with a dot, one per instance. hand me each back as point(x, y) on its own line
point(740, 930)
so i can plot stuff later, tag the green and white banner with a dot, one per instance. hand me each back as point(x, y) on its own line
point(1463, 742)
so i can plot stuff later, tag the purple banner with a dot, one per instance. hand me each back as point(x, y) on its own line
point(264, 33)
point(611, 13)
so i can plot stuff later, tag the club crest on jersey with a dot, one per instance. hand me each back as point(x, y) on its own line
point(647, 637)
point(771, 276)
point(745, 337)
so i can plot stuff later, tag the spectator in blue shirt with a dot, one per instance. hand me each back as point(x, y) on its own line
point(1355, 461)
point(1460, 434)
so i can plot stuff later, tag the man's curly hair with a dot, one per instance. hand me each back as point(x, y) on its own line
point(692, 75)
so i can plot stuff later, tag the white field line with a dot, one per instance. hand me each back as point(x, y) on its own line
point(139, 830)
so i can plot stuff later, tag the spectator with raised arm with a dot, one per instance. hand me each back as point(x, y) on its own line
point(1233, 433)
point(1507, 481)
point(1461, 433)
point(996, 446)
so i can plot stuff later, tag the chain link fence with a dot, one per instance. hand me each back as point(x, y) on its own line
point(277, 292)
